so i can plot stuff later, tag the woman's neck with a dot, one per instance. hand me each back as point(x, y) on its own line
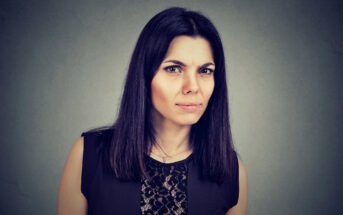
point(171, 137)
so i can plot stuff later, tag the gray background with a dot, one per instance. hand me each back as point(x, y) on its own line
point(63, 65)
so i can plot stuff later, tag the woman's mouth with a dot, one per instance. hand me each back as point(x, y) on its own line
point(189, 106)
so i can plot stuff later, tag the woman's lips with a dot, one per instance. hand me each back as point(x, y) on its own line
point(189, 106)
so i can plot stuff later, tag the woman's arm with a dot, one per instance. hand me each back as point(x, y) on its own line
point(242, 205)
point(70, 198)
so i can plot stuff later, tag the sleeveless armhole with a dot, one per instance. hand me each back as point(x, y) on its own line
point(89, 162)
point(232, 185)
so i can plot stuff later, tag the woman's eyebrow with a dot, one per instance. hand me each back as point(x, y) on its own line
point(182, 64)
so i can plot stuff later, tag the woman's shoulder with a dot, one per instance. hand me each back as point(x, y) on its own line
point(70, 197)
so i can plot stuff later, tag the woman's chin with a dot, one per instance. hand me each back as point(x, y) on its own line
point(190, 121)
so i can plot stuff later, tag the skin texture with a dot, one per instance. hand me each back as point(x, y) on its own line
point(192, 82)
point(70, 199)
point(182, 84)
point(174, 84)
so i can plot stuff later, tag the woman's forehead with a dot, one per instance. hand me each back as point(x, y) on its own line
point(189, 50)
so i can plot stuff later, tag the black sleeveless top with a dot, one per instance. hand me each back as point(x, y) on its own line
point(175, 188)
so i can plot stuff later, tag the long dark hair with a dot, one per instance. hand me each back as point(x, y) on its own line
point(133, 132)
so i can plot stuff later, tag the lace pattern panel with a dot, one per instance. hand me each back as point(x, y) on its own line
point(166, 193)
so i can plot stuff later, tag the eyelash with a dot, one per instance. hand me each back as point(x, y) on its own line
point(174, 66)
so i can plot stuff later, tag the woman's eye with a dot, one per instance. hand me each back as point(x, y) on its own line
point(206, 71)
point(173, 69)
point(177, 69)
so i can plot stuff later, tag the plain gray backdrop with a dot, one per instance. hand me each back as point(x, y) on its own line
point(63, 65)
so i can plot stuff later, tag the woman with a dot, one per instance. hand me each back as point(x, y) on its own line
point(170, 150)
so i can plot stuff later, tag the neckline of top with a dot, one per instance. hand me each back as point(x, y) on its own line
point(172, 163)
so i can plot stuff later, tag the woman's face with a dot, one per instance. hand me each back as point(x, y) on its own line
point(184, 82)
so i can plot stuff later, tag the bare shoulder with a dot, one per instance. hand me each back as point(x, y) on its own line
point(242, 205)
point(77, 148)
point(242, 170)
point(75, 156)
point(74, 160)
point(70, 197)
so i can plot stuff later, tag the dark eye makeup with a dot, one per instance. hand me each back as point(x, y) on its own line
point(171, 69)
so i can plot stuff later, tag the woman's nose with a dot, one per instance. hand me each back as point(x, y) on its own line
point(190, 84)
